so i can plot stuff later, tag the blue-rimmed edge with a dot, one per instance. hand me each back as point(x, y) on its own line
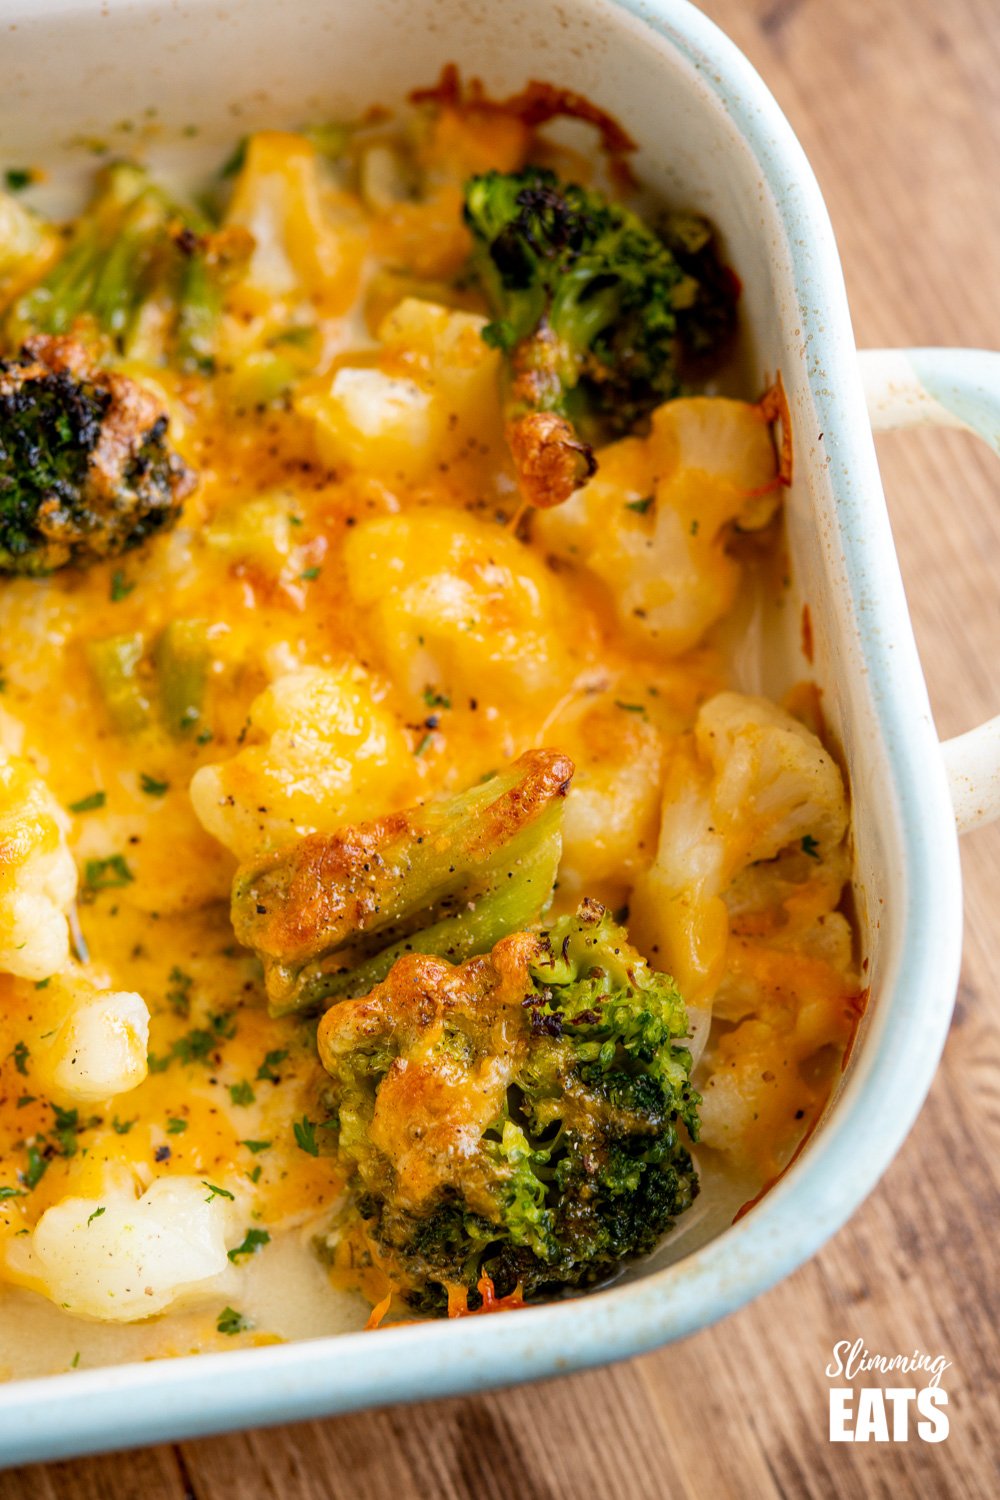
point(134, 1404)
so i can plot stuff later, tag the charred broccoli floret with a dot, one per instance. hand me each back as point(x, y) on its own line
point(330, 916)
point(85, 470)
point(143, 272)
point(589, 305)
point(517, 1117)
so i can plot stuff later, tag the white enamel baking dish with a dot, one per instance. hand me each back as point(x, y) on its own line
point(711, 136)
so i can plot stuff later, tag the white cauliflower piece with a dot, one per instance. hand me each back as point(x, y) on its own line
point(792, 1002)
point(434, 389)
point(610, 821)
point(37, 874)
point(383, 423)
point(299, 247)
point(458, 605)
point(319, 753)
point(750, 785)
point(775, 782)
point(92, 1043)
point(654, 522)
point(120, 1258)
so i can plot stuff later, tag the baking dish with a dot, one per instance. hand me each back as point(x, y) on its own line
point(711, 136)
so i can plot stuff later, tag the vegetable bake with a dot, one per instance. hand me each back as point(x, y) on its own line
point(405, 908)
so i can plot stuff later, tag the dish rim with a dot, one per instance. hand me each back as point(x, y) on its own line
point(196, 1395)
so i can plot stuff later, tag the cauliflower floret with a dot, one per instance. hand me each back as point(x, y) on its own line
point(750, 785)
point(301, 248)
point(459, 605)
point(319, 752)
point(434, 389)
point(91, 1042)
point(445, 351)
point(767, 1076)
point(120, 1258)
point(609, 827)
point(37, 874)
point(654, 522)
point(372, 420)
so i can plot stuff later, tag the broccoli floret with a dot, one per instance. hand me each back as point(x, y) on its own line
point(517, 1117)
point(587, 306)
point(706, 301)
point(139, 270)
point(330, 916)
point(85, 470)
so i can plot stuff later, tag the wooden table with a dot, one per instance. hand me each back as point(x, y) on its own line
point(897, 105)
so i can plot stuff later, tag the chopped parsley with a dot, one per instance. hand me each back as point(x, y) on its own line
point(216, 1192)
point(640, 506)
point(305, 1136)
point(20, 1055)
point(179, 993)
point(252, 1242)
point(67, 1127)
point(230, 1321)
point(436, 700)
point(630, 708)
point(11, 1192)
point(810, 846)
point(107, 874)
point(255, 1146)
point(18, 178)
point(89, 804)
point(120, 587)
point(428, 739)
point(241, 1093)
point(176, 1126)
point(96, 1215)
point(266, 1073)
point(37, 1167)
point(308, 574)
point(122, 1127)
point(152, 787)
point(198, 1044)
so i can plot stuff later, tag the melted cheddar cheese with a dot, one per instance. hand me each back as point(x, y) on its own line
point(368, 630)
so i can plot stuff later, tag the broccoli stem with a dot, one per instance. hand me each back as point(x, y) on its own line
point(131, 249)
point(182, 662)
point(115, 663)
point(337, 909)
point(502, 907)
point(88, 278)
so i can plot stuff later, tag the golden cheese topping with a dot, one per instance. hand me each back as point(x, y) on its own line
point(343, 622)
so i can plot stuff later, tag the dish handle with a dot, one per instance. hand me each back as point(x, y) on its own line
point(946, 388)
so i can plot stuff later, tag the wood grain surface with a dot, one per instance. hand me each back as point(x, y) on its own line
point(896, 102)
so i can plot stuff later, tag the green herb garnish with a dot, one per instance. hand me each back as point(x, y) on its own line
point(89, 804)
point(107, 874)
point(252, 1242)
